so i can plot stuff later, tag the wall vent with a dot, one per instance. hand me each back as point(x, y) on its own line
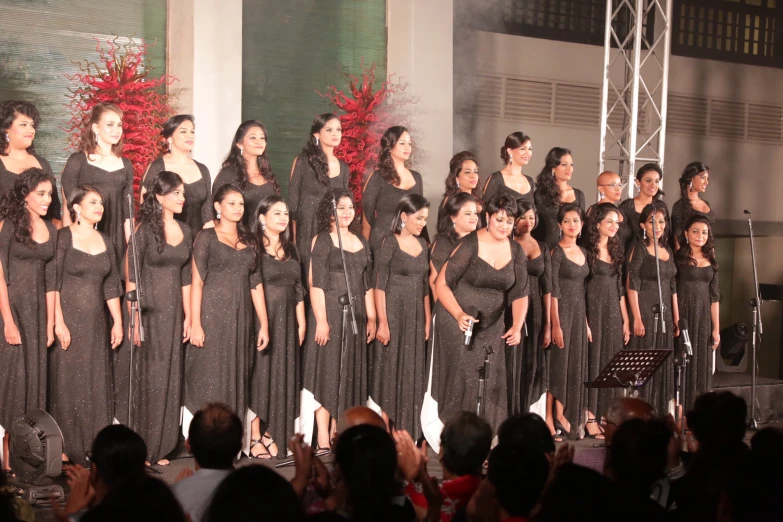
point(528, 101)
point(687, 115)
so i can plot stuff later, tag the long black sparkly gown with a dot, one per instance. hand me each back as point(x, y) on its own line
point(198, 195)
point(548, 229)
point(8, 178)
point(158, 362)
point(379, 201)
point(274, 384)
point(659, 390)
point(219, 372)
point(477, 286)
point(398, 377)
point(496, 185)
point(682, 211)
point(305, 193)
point(325, 382)
point(568, 366)
point(114, 186)
point(604, 316)
point(80, 378)
point(252, 193)
point(30, 273)
point(697, 289)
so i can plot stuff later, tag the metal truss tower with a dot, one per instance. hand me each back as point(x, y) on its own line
point(635, 85)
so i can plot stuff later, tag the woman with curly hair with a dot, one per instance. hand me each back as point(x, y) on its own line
point(99, 163)
point(552, 191)
point(180, 134)
point(607, 315)
point(18, 123)
point(247, 167)
point(510, 180)
point(693, 182)
point(643, 295)
point(164, 246)
point(387, 185)
point(81, 394)
point(460, 217)
point(315, 172)
point(649, 178)
point(27, 282)
point(463, 177)
point(333, 382)
point(698, 296)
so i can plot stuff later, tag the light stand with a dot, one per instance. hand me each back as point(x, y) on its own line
point(758, 329)
point(134, 297)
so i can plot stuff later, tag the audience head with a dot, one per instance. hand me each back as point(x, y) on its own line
point(768, 443)
point(625, 409)
point(610, 187)
point(356, 416)
point(636, 455)
point(575, 492)
point(118, 453)
point(518, 475)
point(717, 420)
point(139, 498)
point(753, 490)
point(526, 430)
point(464, 444)
point(215, 436)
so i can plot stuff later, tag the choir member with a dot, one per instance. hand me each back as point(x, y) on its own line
point(464, 177)
point(180, 135)
point(698, 294)
point(99, 163)
point(398, 377)
point(275, 383)
point(164, 246)
point(247, 167)
point(532, 369)
point(607, 315)
point(570, 333)
point(610, 190)
point(648, 180)
point(19, 121)
point(552, 191)
point(510, 180)
point(643, 295)
point(314, 172)
point(27, 283)
point(693, 182)
point(81, 397)
point(387, 185)
point(226, 292)
point(485, 273)
point(331, 383)
point(460, 217)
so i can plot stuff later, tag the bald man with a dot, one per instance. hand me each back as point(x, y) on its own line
point(356, 416)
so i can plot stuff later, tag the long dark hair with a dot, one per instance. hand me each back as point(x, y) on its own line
point(325, 214)
point(690, 172)
point(385, 161)
point(172, 124)
point(13, 207)
point(546, 184)
point(286, 239)
point(513, 141)
point(410, 204)
point(593, 236)
point(89, 142)
point(650, 210)
point(243, 234)
point(316, 157)
point(451, 209)
point(151, 211)
point(235, 160)
point(78, 195)
point(683, 255)
point(9, 111)
point(455, 167)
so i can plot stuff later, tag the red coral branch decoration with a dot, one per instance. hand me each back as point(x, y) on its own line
point(121, 77)
point(365, 115)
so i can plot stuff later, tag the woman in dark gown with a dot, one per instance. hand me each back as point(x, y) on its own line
point(80, 379)
point(648, 181)
point(180, 134)
point(693, 182)
point(18, 123)
point(226, 292)
point(164, 248)
point(510, 181)
point(314, 172)
point(398, 371)
point(532, 368)
point(552, 191)
point(247, 167)
point(99, 164)
point(643, 294)
point(698, 296)
point(274, 384)
point(486, 273)
point(387, 185)
point(463, 177)
point(27, 284)
point(331, 385)
point(607, 314)
point(568, 356)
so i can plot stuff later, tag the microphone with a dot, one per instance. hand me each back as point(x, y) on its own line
point(685, 337)
point(469, 334)
point(746, 212)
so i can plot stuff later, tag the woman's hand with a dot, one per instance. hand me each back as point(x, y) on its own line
point(63, 335)
point(715, 339)
point(557, 337)
point(638, 327)
point(383, 335)
point(427, 331)
point(136, 334)
point(263, 338)
point(626, 332)
point(547, 336)
point(197, 336)
point(302, 333)
point(321, 333)
point(186, 326)
point(12, 335)
point(370, 330)
point(464, 321)
point(589, 334)
point(513, 336)
point(116, 335)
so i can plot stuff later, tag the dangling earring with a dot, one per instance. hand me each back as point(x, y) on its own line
point(169, 146)
point(241, 151)
point(317, 141)
point(579, 234)
point(686, 240)
point(218, 214)
point(95, 226)
point(402, 225)
point(690, 186)
point(644, 233)
point(454, 224)
point(561, 233)
point(24, 204)
point(457, 183)
point(263, 226)
point(78, 217)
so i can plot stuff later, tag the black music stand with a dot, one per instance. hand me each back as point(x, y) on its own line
point(630, 370)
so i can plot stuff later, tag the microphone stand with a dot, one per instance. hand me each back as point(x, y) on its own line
point(483, 371)
point(134, 297)
point(658, 310)
point(758, 329)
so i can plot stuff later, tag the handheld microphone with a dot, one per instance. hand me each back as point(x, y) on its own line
point(685, 337)
point(469, 333)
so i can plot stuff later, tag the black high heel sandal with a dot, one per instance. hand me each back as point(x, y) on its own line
point(594, 436)
point(559, 427)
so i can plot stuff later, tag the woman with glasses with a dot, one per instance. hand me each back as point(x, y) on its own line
point(610, 190)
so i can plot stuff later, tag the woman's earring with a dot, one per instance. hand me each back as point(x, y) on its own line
point(317, 141)
point(169, 146)
point(218, 214)
point(457, 183)
point(95, 226)
point(96, 137)
point(241, 151)
point(454, 224)
point(644, 233)
point(402, 225)
point(78, 217)
point(686, 240)
point(561, 233)
point(24, 204)
point(579, 234)
point(690, 186)
point(263, 226)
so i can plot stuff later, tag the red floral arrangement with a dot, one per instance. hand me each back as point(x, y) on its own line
point(365, 114)
point(121, 77)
